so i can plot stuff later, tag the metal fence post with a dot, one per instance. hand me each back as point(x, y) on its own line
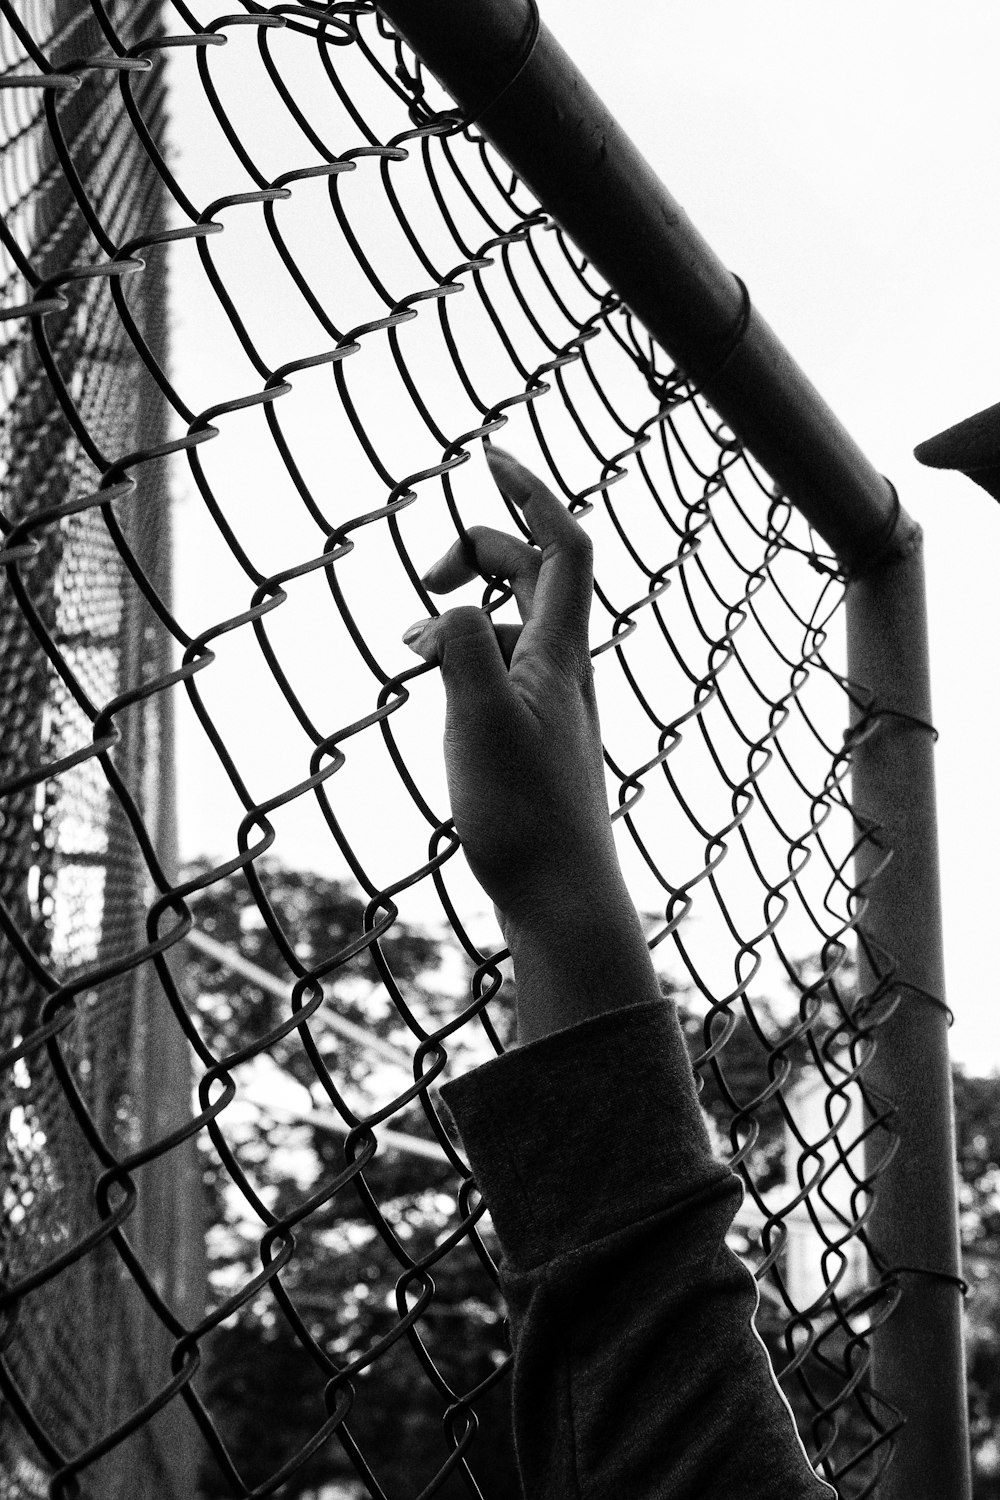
point(917, 1352)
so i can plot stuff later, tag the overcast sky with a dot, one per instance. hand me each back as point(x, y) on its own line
point(845, 161)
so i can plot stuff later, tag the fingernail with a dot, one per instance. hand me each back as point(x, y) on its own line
point(415, 631)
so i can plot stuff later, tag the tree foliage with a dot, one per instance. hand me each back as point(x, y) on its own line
point(977, 1129)
point(273, 1367)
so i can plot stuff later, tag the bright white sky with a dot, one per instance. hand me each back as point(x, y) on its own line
point(844, 160)
point(841, 159)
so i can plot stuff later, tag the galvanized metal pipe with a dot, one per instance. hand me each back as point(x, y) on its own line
point(507, 72)
point(531, 101)
point(918, 1361)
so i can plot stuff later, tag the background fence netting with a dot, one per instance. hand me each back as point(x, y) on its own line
point(230, 1065)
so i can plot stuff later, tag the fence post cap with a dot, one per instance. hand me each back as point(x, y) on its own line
point(972, 447)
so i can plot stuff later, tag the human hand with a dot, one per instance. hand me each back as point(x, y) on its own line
point(522, 735)
point(525, 764)
point(522, 738)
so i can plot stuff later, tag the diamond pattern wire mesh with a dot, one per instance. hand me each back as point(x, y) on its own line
point(361, 295)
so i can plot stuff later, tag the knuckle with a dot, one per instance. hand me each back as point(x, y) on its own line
point(464, 621)
point(574, 544)
point(469, 651)
point(464, 633)
point(579, 543)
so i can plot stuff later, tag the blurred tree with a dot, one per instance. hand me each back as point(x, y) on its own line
point(269, 1364)
point(977, 1125)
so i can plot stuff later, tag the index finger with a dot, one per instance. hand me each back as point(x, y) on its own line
point(565, 586)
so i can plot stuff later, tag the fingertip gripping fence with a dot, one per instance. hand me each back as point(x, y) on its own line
point(364, 295)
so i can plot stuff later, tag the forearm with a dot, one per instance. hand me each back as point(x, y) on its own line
point(586, 958)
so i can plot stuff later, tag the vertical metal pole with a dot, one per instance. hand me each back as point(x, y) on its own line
point(917, 1352)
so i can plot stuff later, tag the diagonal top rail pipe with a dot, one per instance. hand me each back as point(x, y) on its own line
point(507, 73)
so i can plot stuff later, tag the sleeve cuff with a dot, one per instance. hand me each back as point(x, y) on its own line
point(576, 1135)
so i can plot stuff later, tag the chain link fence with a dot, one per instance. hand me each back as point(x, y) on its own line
point(251, 1045)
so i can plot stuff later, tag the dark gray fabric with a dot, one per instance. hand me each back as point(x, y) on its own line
point(637, 1373)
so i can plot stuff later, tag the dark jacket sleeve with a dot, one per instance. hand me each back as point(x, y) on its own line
point(637, 1371)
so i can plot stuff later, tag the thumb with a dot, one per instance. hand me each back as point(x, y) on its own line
point(463, 643)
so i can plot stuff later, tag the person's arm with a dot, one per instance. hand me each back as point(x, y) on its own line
point(525, 764)
point(636, 1368)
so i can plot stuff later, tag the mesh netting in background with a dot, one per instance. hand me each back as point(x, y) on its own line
point(360, 296)
point(75, 648)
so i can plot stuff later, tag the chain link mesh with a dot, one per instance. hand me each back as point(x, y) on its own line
point(362, 294)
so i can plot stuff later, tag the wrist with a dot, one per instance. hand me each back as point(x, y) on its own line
point(577, 959)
